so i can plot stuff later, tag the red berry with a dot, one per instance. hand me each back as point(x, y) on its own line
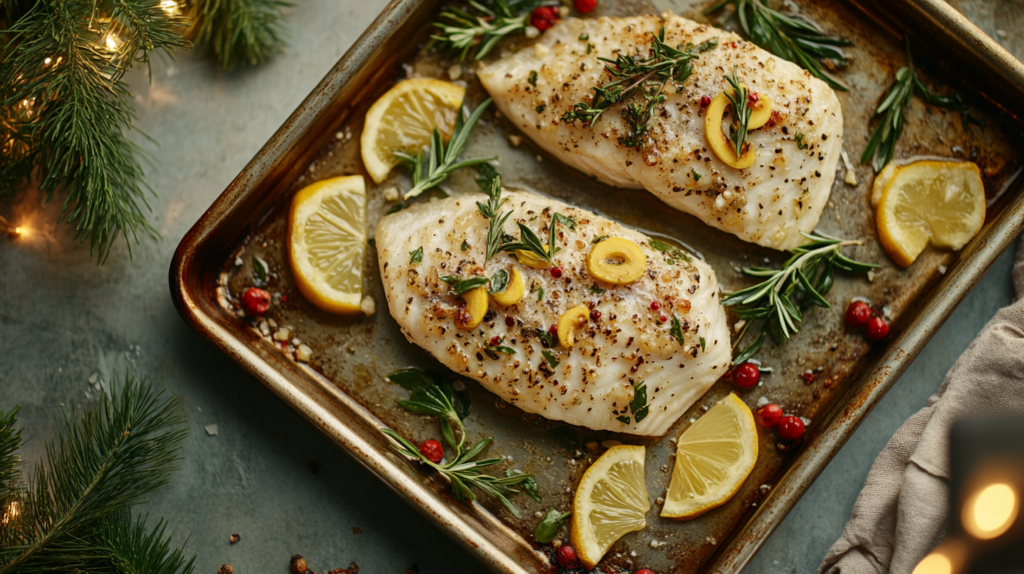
point(544, 17)
point(791, 428)
point(769, 415)
point(255, 301)
point(432, 450)
point(746, 375)
point(857, 315)
point(585, 6)
point(595, 316)
point(495, 341)
point(644, 571)
point(655, 305)
point(662, 319)
point(553, 329)
point(877, 329)
point(566, 556)
point(808, 377)
point(556, 272)
point(705, 101)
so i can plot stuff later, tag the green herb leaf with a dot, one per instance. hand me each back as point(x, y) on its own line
point(638, 406)
point(499, 282)
point(677, 330)
point(702, 345)
point(740, 112)
point(549, 526)
point(671, 250)
point(464, 246)
point(475, 29)
point(540, 109)
point(597, 290)
point(584, 37)
point(799, 138)
point(259, 269)
point(416, 256)
point(550, 358)
point(530, 487)
point(540, 294)
point(532, 78)
point(461, 285)
point(597, 240)
point(696, 176)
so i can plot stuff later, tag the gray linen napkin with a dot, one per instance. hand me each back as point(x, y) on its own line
point(900, 515)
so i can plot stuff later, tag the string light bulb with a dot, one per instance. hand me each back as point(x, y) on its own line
point(170, 6)
point(113, 41)
point(990, 511)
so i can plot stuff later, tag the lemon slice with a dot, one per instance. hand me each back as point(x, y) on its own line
point(713, 458)
point(939, 202)
point(404, 118)
point(611, 501)
point(327, 240)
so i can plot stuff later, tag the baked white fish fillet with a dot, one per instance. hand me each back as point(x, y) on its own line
point(769, 203)
point(592, 383)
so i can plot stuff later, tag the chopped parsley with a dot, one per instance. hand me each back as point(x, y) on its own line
point(533, 78)
point(464, 245)
point(677, 330)
point(800, 141)
point(550, 358)
point(696, 176)
point(638, 406)
point(416, 256)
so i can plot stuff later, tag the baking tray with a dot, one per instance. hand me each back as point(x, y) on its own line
point(342, 390)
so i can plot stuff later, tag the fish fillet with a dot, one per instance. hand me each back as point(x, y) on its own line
point(593, 382)
point(769, 203)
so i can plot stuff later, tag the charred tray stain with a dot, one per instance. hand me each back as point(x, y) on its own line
point(356, 353)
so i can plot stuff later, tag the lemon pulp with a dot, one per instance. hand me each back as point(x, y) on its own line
point(713, 458)
point(404, 118)
point(327, 240)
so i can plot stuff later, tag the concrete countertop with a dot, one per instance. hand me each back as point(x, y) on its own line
point(63, 319)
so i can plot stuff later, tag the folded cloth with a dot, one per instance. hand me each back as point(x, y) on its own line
point(900, 514)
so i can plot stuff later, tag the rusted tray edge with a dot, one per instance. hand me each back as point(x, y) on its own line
point(871, 387)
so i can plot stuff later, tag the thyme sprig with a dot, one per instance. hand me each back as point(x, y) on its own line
point(492, 210)
point(882, 144)
point(640, 85)
point(740, 113)
point(477, 28)
point(432, 166)
point(803, 280)
point(531, 242)
point(437, 398)
point(789, 36)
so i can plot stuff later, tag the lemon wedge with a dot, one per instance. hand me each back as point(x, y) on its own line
point(610, 502)
point(404, 118)
point(327, 241)
point(937, 202)
point(713, 458)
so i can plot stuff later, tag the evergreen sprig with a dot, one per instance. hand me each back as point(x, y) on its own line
point(790, 36)
point(236, 32)
point(803, 280)
point(882, 145)
point(477, 27)
point(76, 513)
point(740, 124)
point(432, 166)
point(639, 84)
point(67, 112)
point(437, 398)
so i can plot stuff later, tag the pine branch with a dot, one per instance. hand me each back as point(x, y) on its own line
point(240, 31)
point(102, 462)
point(10, 463)
point(131, 547)
point(68, 111)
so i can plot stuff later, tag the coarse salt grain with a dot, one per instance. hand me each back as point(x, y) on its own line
point(530, 32)
point(264, 328)
point(368, 306)
point(391, 194)
point(282, 334)
point(455, 72)
point(515, 139)
point(303, 354)
point(762, 402)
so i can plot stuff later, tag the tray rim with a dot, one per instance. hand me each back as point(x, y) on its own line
point(865, 391)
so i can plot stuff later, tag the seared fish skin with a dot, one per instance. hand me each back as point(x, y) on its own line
point(592, 383)
point(769, 203)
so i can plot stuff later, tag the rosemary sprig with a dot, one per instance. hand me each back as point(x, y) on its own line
point(432, 166)
point(492, 210)
point(789, 36)
point(804, 279)
point(478, 27)
point(640, 85)
point(437, 398)
point(882, 144)
point(531, 242)
point(740, 113)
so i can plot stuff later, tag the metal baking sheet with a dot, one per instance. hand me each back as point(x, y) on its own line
point(342, 390)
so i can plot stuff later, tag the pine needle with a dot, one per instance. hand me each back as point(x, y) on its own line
point(10, 442)
point(68, 112)
point(240, 31)
point(76, 514)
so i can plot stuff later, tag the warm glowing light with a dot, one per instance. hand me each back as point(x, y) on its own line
point(170, 6)
point(112, 41)
point(47, 61)
point(11, 514)
point(990, 511)
point(934, 563)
